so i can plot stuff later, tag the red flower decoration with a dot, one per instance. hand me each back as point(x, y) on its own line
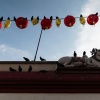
point(0, 24)
point(69, 21)
point(46, 23)
point(21, 22)
point(92, 19)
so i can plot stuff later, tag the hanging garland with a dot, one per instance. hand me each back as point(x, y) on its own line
point(34, 20)
point(82, 20)
point(69, 21)
point(46, 23)
point(1, 22)
point(58, 21)
point(92, 19)
point(21, 22)
point(7, 23)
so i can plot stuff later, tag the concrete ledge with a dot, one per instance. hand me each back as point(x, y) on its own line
point(36, 66)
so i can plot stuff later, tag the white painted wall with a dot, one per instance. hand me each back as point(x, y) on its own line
point(50, 96)
point(35, 67)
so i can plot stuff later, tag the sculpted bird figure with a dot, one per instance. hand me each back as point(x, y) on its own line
point(19, 69)
point(12, 70)
point(75, 54)
point(30, 68)
point(42, 59)
point(26, 59)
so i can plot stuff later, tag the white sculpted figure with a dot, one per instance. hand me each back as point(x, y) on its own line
point(73, 61)
point(93, 61)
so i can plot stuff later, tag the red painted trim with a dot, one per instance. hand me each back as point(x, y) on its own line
point(73, 80)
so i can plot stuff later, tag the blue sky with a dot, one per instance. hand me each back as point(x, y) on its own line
point(55, 42)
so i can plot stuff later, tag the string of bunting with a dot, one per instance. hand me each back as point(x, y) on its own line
point(46, 23)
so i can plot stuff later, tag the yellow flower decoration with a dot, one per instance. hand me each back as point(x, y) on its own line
point(7, 23)
point(34, 20)
point(82, 20)
point(58, 21)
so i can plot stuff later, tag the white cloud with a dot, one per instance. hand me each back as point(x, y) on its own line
point(9, 53)
point(89, 36)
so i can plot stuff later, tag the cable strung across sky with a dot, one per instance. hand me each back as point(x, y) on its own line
point(46, 23)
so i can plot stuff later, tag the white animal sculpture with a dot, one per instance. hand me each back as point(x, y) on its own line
point(93, 61)
point(73, 61)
